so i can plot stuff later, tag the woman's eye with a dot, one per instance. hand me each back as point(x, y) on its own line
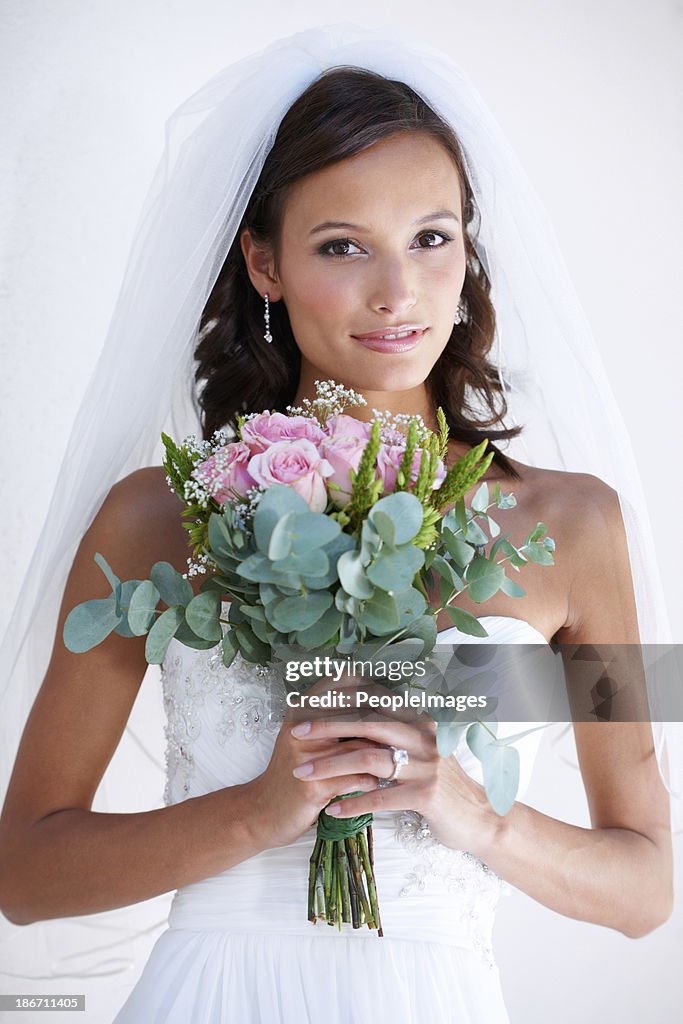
point(340, 248)
point(445, 239)
point(328, 247)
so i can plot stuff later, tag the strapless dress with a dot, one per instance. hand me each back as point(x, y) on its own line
point(238, 947)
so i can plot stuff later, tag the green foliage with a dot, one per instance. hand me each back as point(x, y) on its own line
point(463, 475)
point(88, 624)
point(365, 487)
point(406, 467)
point(178, 465)
point(360, 575)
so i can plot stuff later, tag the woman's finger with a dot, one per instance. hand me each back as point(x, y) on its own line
point(371, 759)
point(386, 731)
point(393, 798)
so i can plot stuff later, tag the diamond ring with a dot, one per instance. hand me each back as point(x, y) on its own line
point(400, 757)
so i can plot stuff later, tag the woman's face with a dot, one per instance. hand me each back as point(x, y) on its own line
point(373, 245)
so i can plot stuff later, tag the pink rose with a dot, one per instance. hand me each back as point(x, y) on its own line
point(347, 426)
point(343, 453)
point(389, 460)
point(297, 464)
point(261, 431)
point(224, 474)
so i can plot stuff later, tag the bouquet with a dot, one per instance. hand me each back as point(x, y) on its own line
point(326, 533)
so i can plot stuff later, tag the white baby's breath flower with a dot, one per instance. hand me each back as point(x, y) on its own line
point(331, 400)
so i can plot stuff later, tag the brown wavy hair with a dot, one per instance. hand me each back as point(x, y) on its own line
point(346, 110)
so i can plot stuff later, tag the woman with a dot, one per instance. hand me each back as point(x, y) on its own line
point(359, 223)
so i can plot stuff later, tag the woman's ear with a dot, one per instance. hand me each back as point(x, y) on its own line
point(260, 267)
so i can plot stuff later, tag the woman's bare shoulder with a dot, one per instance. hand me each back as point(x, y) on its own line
point(143, 516)
point(566, 494)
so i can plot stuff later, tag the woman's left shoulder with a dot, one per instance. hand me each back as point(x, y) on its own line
point(584, 517)
point(576, 501)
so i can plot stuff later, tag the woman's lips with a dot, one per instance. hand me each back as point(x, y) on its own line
point(391, 345)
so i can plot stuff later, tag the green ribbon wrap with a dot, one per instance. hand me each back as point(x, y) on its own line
point(342, 828)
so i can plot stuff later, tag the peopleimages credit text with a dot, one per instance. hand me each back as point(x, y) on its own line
point(394, 671)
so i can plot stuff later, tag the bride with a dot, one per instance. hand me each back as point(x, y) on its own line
point(326, 220)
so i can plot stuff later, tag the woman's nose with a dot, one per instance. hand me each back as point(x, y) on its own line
point(394, 290)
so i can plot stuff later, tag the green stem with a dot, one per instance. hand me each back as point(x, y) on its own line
point(353, 891)
point(352, 851)
point(344, 877)
point(327, 870)
point(333, 910)
point(370, 875)
point(312, 870)
point(320, 893)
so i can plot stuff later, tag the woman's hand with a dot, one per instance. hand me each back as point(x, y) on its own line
point(454, 805)
point(285, 805)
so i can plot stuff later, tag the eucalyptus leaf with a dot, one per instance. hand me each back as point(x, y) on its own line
point(280, 543)
point(381, 614)
point(539, 531)
point(461, 552)
point(141, 608)
point(309, 563)
point(202, 615)
point(483, 579)
point(189, 638)
point(220, 541)
point(494, 528)
point(500, 768)
point(172, 586)
point(229, 648)
point(89, 623)
point(112, 579)
point(251, 648)
point(538, 554)
point(259, 569)
point(511, 588)
point(497, 544)
point(461, 514)
point(353, 575)
point(422, 628)
point(394, 570)
point(405, 512)
point(127, 590)
point(295, 613)
point(161, 634)
point(253, 612)
point(475, 535)
point(313, 530)
point(480, 501)
point(466, 622)
point(506, 501)
point(384, 525)
point(480, 736)
point(448, 737)
point(322, 632)
point(275, 503)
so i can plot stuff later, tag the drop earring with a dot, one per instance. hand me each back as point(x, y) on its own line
point(460, 313)
point(266, 315)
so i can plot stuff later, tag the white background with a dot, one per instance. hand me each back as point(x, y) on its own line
point(590, 95)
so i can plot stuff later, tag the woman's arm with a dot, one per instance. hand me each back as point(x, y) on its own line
point(58, 857)
point(618, 873)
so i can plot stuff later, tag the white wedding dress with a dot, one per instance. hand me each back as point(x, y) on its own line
point(239, 947)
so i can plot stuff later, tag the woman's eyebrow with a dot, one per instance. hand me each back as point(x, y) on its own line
point(437, 215)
